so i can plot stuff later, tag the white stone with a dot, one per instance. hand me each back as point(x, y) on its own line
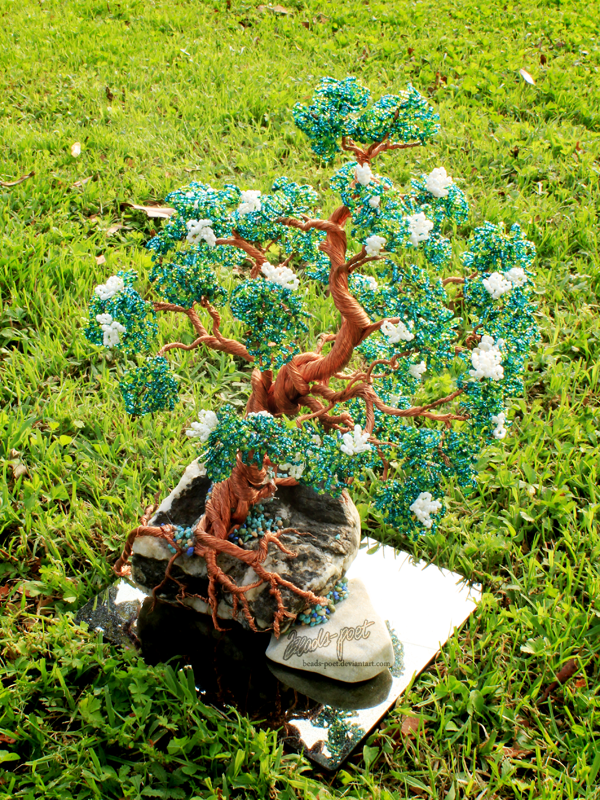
point(353, 646)
point(194, 470)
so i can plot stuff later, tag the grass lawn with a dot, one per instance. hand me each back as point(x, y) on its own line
point(162, 92)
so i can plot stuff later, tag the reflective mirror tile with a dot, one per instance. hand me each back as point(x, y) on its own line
point(323, 717)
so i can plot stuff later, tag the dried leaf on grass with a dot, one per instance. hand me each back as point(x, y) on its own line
point(410, 725)
point(100, 260)
point(76, 149)
point(515, 752)
point(526, 77)
point(4, 739)
point(18, 469)
point(117, 227)
point(82, 182)
point(275, 9)
point(569, 669)
point(7, 184)
point(154, 212)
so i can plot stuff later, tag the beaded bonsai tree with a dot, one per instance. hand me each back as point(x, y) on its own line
point(342, 410)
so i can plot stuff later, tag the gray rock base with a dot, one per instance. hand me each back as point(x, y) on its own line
point(329, 544)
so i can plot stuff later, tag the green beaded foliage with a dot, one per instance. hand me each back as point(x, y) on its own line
point(262, 305)
point(399, 118)
point(332, 114)
point(318, 457)
point(339, 108)
point(470, 336)
point(128, 308)
point(492, 249)
point(190, 276)
point(149, 387)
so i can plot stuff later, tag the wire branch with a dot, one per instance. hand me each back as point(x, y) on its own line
point(215, 342)
point(366, 156)
point(257, 254)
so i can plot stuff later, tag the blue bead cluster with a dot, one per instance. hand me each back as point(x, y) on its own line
point(318, 614)
point(257, 523)
point(196, 201)
point(332, 114)
point(287, 199)
point(149, 387)
point(339, 108)
point(509, 319)
point(491, 249)
point(408, 292)
point(274, 316)
point(453, 206)
point(190, 275)
point(342, 732)
point(390, 217)
point(184, 539)
point(325, 467)
point(398, 669)
point(404, 117)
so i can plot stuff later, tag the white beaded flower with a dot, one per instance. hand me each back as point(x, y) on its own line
point(417, 370)
point(373, 285)
point(437, 182)
point(499, 420)
point(363, 174)
point(396, 333)
point(284, 276)
point(207, 422)
point(250, 201)
point(200, 229)
point(111, 329)
point(423, 507)
point(419, 227)
point(497, 285)
point(354, 443)
point(294, 470)
point(374, 201)
point(487, 360)
point(113, 286)
point(516, 276)
point(374, 245)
